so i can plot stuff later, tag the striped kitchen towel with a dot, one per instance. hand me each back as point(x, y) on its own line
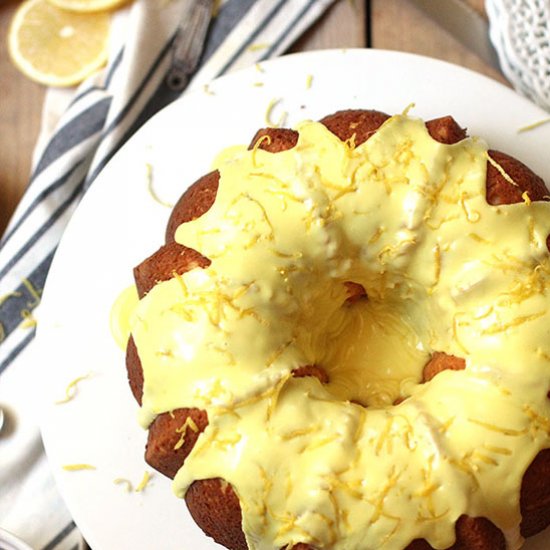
point(73, 148)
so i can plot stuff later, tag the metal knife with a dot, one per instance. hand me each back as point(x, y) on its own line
point(464, 23)
point(189, 43)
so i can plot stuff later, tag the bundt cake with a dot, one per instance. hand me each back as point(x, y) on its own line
point(344, 342)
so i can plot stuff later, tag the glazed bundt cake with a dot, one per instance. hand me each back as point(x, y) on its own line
point(344, 342)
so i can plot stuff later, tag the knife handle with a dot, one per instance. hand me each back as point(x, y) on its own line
point(188, 43)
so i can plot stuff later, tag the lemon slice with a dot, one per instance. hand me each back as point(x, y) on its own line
point(56, 47)
point(88, 6)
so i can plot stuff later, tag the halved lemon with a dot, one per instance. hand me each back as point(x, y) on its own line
point(88, 6)
point(56, 47)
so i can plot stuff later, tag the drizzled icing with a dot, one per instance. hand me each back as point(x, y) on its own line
point(406, 217)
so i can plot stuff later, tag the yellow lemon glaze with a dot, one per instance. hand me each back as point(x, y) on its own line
point(121, 312)
point(406, 217)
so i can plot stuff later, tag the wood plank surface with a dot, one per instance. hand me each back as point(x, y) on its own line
point(399, 25)
point(387, 24)
point(20, 111)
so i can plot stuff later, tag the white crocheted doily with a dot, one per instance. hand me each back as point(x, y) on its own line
point(520, 33)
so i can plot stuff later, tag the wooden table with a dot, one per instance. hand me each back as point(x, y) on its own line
point(383, 24)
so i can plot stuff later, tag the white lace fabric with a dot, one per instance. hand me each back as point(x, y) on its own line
point(520, 33)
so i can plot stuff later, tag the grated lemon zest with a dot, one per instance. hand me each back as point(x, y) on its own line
point(495, 329)
point(189, 423)
point(485, 458)
point(78, 467)
point(498, 450)
point(540, 422)
point(144, 482)
point(456, 325)
point(437, 263)
point(384, 435)
point(71, 389)
point(408, 108)
point(34, 292)
point(495, 428)
point(257, 144)
point(472, 216)
point(5, 297)
point(350, 142)
point(29, 320)
point(207, 90)
point(269, 114)
point(299, 433)
point(257, 47)
point(533, 125)
point(501, 170)
point(126, 482)
point(151, 188)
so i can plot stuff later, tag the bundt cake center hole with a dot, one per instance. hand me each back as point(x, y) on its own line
point(370, 353)
point(355, 292)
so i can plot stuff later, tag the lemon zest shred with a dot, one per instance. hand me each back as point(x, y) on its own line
point(484, 314)
point(189, 423)
point(207, 90)
point(377, 234)
point(29, 320)
point(299, 433)
point(533, 125)
point(456, 325)
point(274, 397)
point(14, 294)
point(144, 482)
point(495, 428)
point(257, 144)
point(269, 114)
point(384, 435)
point(126, 482)
point(501, 170)
point(472, 216)
point(309, 81)
point(498, 450)
point(437, 263)
point(78, 467)
point(322, 442)
point(495, 329)
point(350, 142)
point(432, 516)
point(257, 47)
point(34, 292)
point(408, 108)
point(541, 422)
point(151, 188)
point(278, 352)
point(484, 458)
point(71, 390)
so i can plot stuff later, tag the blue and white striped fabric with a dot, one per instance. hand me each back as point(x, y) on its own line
point(99, 117)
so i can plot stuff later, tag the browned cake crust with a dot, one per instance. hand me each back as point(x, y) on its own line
point(171, 438)
point(213, 503)
point(169, 260)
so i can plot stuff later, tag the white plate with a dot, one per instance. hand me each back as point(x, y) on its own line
point(118, 224)
point(11, 542)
